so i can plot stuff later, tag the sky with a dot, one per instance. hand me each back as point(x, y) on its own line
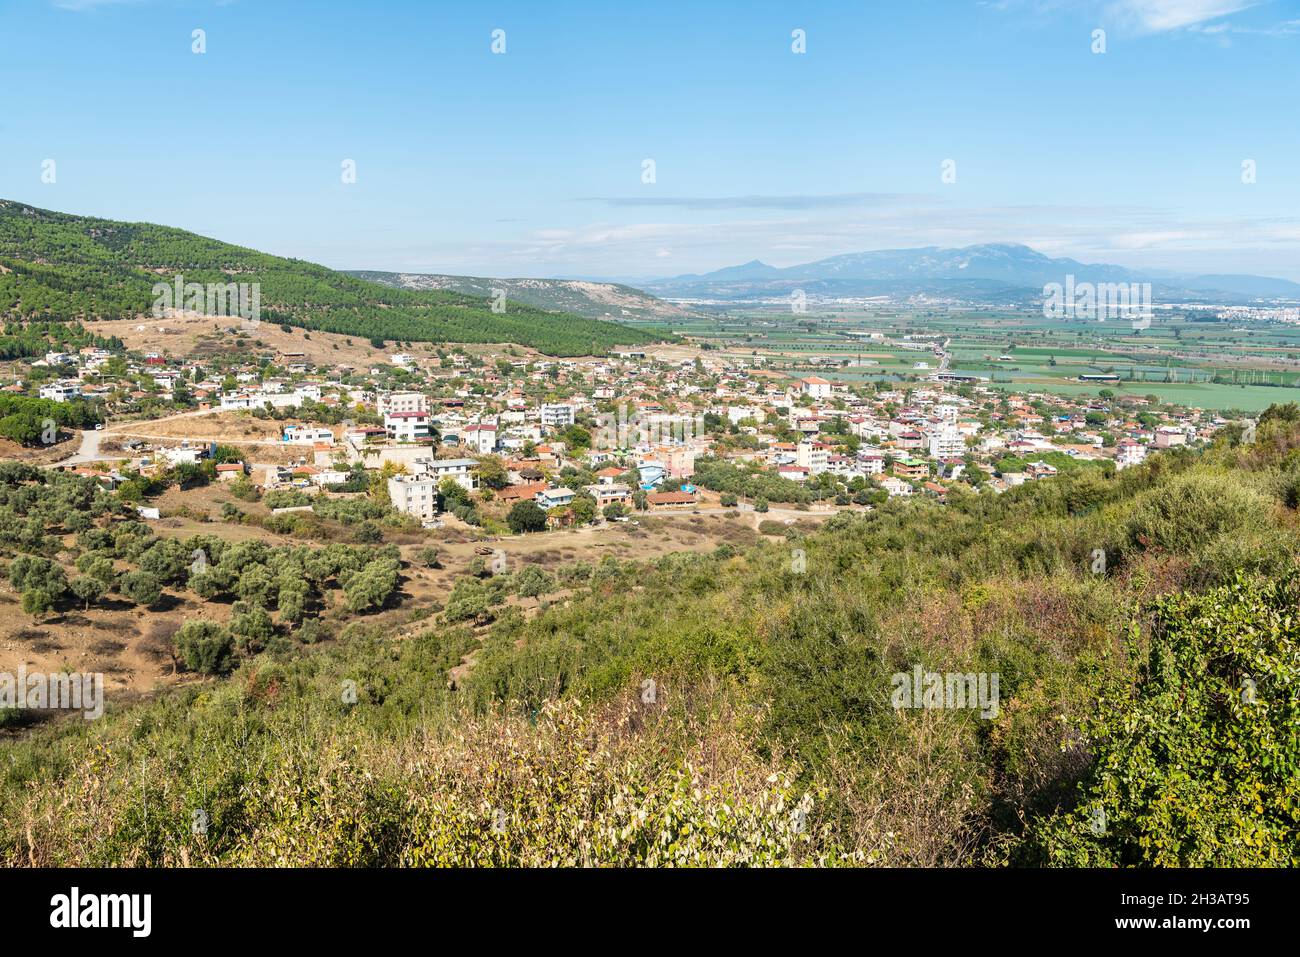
point(910, 123)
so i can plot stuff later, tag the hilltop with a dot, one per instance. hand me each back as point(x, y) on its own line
point(595, 300)
point(64, 267)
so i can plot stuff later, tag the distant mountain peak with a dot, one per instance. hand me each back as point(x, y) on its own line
point(985, 271)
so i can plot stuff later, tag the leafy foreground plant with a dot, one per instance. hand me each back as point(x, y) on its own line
point(574, 786)
point(1201, 765)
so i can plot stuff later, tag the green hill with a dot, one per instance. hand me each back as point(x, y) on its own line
point(55, 266)
point(595, 300)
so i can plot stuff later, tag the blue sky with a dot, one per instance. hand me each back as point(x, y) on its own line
point(529, 163)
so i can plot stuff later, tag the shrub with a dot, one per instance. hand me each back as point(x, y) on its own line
point(1202, 766)
point(204, 646)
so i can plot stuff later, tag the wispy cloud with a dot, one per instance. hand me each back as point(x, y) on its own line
point(1161, 16)
point(823, 201)
point(82, 6)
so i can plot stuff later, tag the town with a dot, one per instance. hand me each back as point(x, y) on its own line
point(588, 439)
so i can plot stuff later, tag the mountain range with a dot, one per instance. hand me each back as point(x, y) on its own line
point(999, 272)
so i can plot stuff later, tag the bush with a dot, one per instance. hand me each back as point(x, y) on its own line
point(141, 587)
point(1193, 509)
point(204, 646)
point(1202, 767)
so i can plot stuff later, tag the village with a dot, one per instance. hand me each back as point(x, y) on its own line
point(588, 439)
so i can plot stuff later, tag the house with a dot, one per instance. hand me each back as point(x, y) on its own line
point(480, 438)
point(63, 391)
point(554, 497)
point(458, 470)
point(937, 490)
point(911, 470)
point(895, 487)
point(605, 494)
point(669, 499)
point(518, 493)
point(308, 435)
point(229, 471)
point(816, 387)
point(1167, 437)
point(1128, 452)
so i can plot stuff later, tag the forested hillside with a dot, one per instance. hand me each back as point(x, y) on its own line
point(736, 707)
point(596, 300)
point(55, 266)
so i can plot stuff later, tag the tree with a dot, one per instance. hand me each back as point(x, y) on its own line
point(372, 586)
point(532, 582)
point(204, 646)
point(526, 516)
point(37, 602)
point(141, 587)
point(251, 627)
point(88, 590)
point(584, 508)
point(492, 473)
point(613, 511)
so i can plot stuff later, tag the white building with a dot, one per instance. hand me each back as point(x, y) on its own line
point(61, 391)
point(407, 426)
point(947, 443)
point(1129, 452)
point(482, 438)
point(308, 435)
point(403, 402)
point(415, 494)
point(895, 486)
point(458, 470)
point(816, 387)
point(557, 415)
point(261, 399)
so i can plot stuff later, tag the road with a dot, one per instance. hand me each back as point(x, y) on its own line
point(88, 448)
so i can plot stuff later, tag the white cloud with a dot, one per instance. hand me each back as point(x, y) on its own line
point(1160, 16)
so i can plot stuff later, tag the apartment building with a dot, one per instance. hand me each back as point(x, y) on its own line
point(407, 426)
point(557, 415)
point(415, 494)
point(403, 402)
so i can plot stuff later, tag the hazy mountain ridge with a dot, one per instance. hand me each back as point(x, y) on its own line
point(995, 271)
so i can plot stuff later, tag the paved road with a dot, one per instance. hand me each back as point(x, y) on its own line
point(88, 448)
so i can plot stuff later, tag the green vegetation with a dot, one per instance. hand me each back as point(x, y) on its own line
point(63, 268)
point(735, 707)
